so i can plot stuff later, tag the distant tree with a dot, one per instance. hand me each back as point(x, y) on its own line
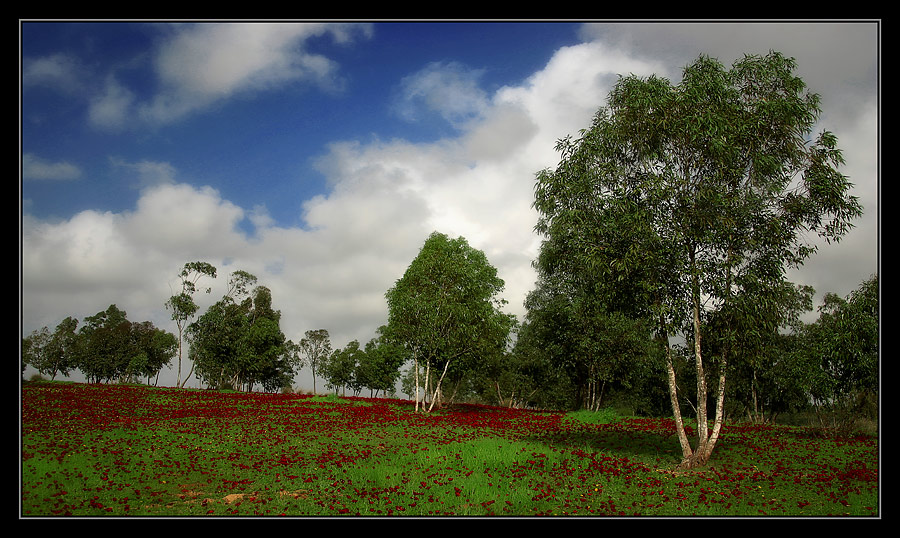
point(271, 365)
point(411, 381)
point(759, 337)
point(294, 357)
point(378, 368)
point(689, 193)
point(153, 349)
point(64, 346)
point(35, 352)
point(316, 347)
point(339, 370)
point(109, 347)
point(105, 345)
point(182, 304)
point(542, 377)
point(446, 309)
point(238, 342)
point(842, 352)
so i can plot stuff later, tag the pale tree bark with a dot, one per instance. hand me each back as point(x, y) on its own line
point(706, 439)
point(437, 388)
point(416, 366)
point(676, 407)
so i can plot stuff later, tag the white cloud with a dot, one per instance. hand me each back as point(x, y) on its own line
point(146, 173)
point(60, 72)
point(33, 167)
point(185, 221)
point(112, 108)
point(384, 199)
point(450, 90)
point(202, 64)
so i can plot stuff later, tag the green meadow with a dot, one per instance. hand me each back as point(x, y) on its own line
point(122, 450)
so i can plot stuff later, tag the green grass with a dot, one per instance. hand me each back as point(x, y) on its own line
point(107, 450)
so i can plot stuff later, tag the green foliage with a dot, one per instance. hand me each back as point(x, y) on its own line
point(605, 415)
point(316, 347)
point(109, 347)
point(688, 200)
point(340, 368)
point(375, 367)
point(759, 332)
point(842, 354)
point(34, 351)
point(182, 304)
point(445, 309)
point(238, 342)
point(379, 366)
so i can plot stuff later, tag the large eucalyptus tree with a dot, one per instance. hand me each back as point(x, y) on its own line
point(690, 193)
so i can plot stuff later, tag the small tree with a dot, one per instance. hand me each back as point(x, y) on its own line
point(339, 370)
point(446, 308)
point(36, 352)
point(153, 349)
point(842, 354)
point(378, 368)
point(316, 346)
point(238, 342)
point(184, 308)
point(105, 345)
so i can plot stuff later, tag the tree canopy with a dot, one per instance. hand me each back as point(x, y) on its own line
point(238, 341)
point(841, 353)
point(446, 307)
point(692, 197)
point(182, 304)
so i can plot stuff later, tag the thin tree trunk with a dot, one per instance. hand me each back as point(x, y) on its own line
point(438, 384)
point(755, 402)
point(180, 347)
point(416, 366)
point(427, 384)
point(187, 377)
point(723, 369)
point(676, 407)
point(702, 424)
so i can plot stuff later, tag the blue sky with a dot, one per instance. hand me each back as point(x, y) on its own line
point(275, 131)
point(320, 156)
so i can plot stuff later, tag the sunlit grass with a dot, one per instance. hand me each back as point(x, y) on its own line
point(91, 450)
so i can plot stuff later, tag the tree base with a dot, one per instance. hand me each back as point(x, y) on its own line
point(696, 460)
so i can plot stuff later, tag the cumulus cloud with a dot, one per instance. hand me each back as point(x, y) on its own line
point(202, 64)
point(357, 239)
point(197, 66)
point(383, 198)
point(60, 72)
point(34, 167)
point(449, 89)
point(112, 107)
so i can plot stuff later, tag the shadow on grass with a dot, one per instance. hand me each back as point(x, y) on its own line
point(652, 447)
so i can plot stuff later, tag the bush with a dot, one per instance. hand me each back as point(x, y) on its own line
point(607, 415)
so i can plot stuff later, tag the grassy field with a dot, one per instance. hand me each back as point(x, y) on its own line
point(118, 450)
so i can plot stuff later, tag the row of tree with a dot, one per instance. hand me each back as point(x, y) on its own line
point(375, 366)
point(236, 343)
point(107, 347)
point(829, 366)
